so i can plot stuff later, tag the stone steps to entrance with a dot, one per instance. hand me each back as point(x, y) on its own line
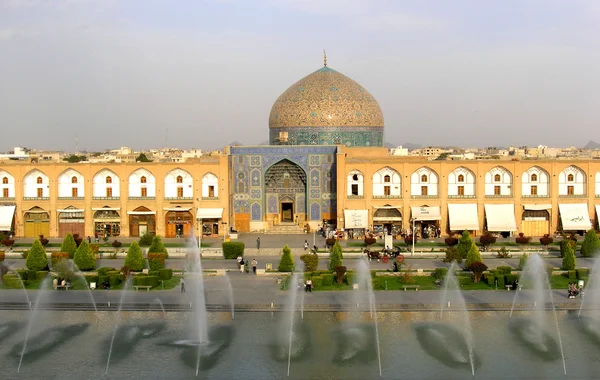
point(285, 229)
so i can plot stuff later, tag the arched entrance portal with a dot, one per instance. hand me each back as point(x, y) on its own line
point(37, 222)
point(285, 184)
point(179, 223)
point(387, 220)
point(142, 221)
point(71, 221)
point(107, 222)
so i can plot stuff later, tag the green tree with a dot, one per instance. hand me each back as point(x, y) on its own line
point(523, 261)
point(72, 159)
point(335, 257)
point(286, 264)
point(568, 261)
point(142, 158)
point(473, 255)
point(464, 244)
point(135, 259)
point(591, 244)
point(36, 258)
point(157, 245)
point(69, 246)
point(84, 257)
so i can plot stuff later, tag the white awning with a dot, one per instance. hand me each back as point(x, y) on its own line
point(209, 213)
point(177, 208)
point(500, 217)
point(538, 207)
point(598, 213)
point(356, 219)
point(106, 208)
point(463, 217)
point(6, 217)
point(141, 212)
point(426, 213)
point(71, 210)
point(574, 216)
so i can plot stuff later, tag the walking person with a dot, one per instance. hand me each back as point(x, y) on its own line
point(258, 243)
point(242, 266)
point(239, 261)
point(305, 245)
point(308, 287)
point(182, 283)
point(254, 264)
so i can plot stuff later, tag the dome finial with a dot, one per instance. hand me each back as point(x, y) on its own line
point(324, 58)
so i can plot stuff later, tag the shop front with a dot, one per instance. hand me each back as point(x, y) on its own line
point(209, 219)
point(500, 218)
point(387, 220)
point(426, 221)
point(71, 221)
point(463, 217)
point(536, 219)
point(107, 222)
point(142, 221)
point(179, 222)
point(574, 218)
point(37, 222)
point(356, 223)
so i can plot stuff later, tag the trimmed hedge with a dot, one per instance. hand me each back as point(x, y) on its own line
point(156, 260)
point(439, 273)
point(165, 274)
point(57, 257)
point(572, 274)
point(103, 270)
point(11, 281)
point(489, 279)
point(328, 279)
point(233, 249)
point(146, 240)
point(464, 280)
point(114, 279)
point(22, 273)
point(350, 278)
point(311, 262)
point(102, 279)
point(582, 273)
point(69, 246)
point(157, 246)
point(135, 259)
point(143, 280)
point(36, 258)
point(317, 281)
point(40, 275)
point(504, 269)
point(32, 275)
point(286, 264)
point(84, 257)
point(510, 279)
point(91, 279)
point(500, 278)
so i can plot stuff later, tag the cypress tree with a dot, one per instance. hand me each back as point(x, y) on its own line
point(591, 244)
point(135, 259)
point(84, 257)
point(464, 244)
point(36, 258)
point(69, 246)
point(286, 264)
point(568, 261)
point(335, 257)
point(473, 255)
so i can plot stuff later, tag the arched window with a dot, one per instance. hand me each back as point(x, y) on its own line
point(570, 178)
point(424, 178)
point(39, 180)
point(461, 178)
point(179, 179)
point(387, 178)
point(143, 179)
point(73, 179)
point(497, 178)
point(534, 177)
point(109, 179)
point(5, 180)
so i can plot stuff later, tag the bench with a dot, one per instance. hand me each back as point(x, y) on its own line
point(147, 287)
point(65, 287)
point(415, 287)
point(509, 287)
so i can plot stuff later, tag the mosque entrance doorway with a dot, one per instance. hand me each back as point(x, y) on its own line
point(287, 212)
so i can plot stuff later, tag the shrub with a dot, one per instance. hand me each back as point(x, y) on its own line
point(546, 240)
point(233, 249)
point(500, 278)
point(568, 261)
point(311, 262)
point(95, 248)
point(522, 239)
point(464, 280)
point(408, 240)
point(103, 270)
point(116, 244)
point(567, 242)
point(41, 274)
point(369, 241)
point(286, 264)
point(489, 279)
point(503, 253)
point(472, 256)
point(327, 279)
point(2, 256)
point(335, 257)
point(464, 244)
point(36, 259)
point(451, 241)
point(523, 261)
point(11, 281)
point(135, 258)
point(84, 258)
point(153, 273)
point(32, 275)
point(350, 278)
point(146, 240)
point(8, 242)
point(317, 282)
point(77, 239)
point(114, 279)
point(22, 273)
point(102, 279)
point(486, 240)
point(510, 278)
point(165, 274)
point(591, 244)
point(90, 279)
point(572, 274)
point(329, 242)
point(477, 267)
point(340, 271)
point(582, 273)
point(126, 271)
point(156, 261)
point(504, 269)
point(69, 246)
point(43, 241)
point(452, 255)
point(439, 273)
point(157, 246)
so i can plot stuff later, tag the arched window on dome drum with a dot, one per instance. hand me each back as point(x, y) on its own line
point(143, 179)
point(5, 180)
point(179, 179)
point(39, 180)
point(387, 178)
point(424, 178)
point(461, 178)
point(534, 178)
point(73, 179)
point(570, 178)
point(109, 179)
point(497, 178)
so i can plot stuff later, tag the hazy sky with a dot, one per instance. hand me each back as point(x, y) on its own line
point(461, 72)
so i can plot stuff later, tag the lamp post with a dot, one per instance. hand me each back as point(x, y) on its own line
point(200, 234)
point(413, 237)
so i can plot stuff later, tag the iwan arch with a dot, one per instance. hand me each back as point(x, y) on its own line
point(325, 161)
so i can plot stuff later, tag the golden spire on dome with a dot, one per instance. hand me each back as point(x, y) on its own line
point(324, 58)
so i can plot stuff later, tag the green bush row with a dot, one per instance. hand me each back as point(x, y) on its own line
point(143, 280)
point(165, 274)
point(11, 281)
point(233, 249)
